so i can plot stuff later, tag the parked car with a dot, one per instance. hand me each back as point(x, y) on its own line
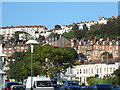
point(116, 89)
point(56, 86)
point(18, 87)
point(39, 83)
point(83, 87)
point(9, 84)
point(70, 86)
point(101, 87)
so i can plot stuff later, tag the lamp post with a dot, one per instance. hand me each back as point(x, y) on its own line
point(31, 43)
point(2, 73)
point(2, 61)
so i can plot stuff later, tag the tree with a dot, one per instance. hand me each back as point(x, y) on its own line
point(94, 80)
point(74, 34)
point(58, 60)
point(117, 76)
point(58, 27)
point(20, 32)
point(15, 71)
point(41, 38)
point(54, 35)
point(106, 55)
point(75, 27)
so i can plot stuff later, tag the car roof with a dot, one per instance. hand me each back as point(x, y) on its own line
point(101, 84)
point(11, 82)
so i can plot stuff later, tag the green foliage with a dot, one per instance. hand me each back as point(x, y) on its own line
point(111, 30)
point(54, 35)
point(75, 27)
point(113, 79)
point(58, 27)
point(106, 55)
point(58, 60)
point(94, 80)
point(41, 38)
point(76, 34)
point(16, 66)
point(12, 40)
point(110, 79)
point(17, 35)
point(117, 76)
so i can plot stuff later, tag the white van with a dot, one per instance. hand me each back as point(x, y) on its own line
point(39, 83)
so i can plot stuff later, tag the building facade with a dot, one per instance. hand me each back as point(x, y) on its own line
point(81, 72)
point(31, 30)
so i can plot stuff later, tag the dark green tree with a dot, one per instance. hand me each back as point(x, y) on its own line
point(15, 71)
point(106, 55)
point(75, 27)
point(74, 34)
point(54, 35)
point(58, 27)
point(47, 60)
point(117, 76)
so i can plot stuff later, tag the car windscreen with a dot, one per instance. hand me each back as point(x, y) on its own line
point(44, 84)
point(10, 84)
point(73, 84)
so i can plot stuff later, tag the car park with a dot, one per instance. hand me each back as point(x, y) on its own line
point(70, 86)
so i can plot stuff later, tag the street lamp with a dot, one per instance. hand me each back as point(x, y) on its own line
point(2, 73)
point(2, 56)
point(31, 43)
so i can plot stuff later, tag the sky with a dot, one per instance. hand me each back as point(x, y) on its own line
point(50, 14)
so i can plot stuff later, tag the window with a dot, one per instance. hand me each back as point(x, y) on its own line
point(97, 70)
point(44, 84)
point(80, 79)
point(100, 70)
point(84, 71)
point(96, 47)
point(77, 71)
point(116, 47)
point(22, 47)
point(91, 70)
point(113, 68)
point(10, 52)
point(103, 47)
point(10, 48)
point(104, 69)
point(80, 71)
point(110, 69)
point(5, 52)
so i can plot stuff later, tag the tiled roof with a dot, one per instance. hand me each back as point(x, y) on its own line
point(23, 26)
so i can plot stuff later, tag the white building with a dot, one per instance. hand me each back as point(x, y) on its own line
point(31, 30)
point(102, 20)
point(81, 72)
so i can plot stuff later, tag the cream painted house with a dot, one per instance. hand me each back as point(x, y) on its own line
point(81, 72)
